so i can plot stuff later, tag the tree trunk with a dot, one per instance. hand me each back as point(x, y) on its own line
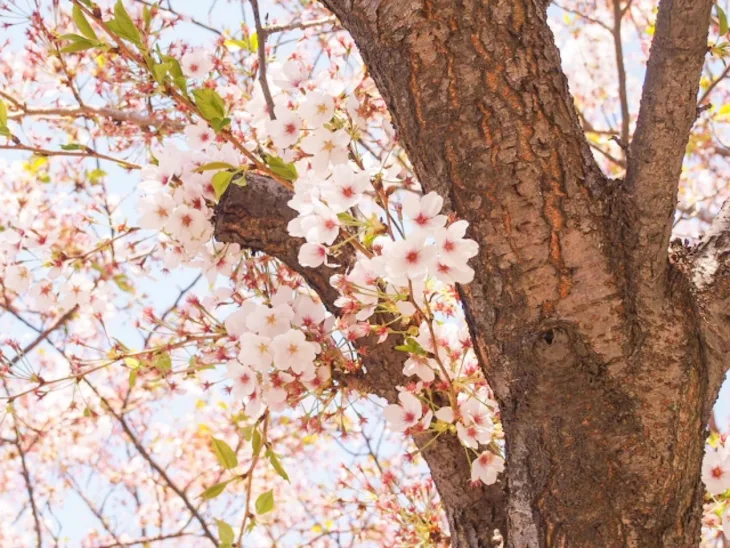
point(605, 350)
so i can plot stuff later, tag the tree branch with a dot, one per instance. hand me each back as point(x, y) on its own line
point(668, 110)
point(618, 14)
point(29, 488)
point(256, 217)
point(262, 34)
point(155, 466)
point(710, 274)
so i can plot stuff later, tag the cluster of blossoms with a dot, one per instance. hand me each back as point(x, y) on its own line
point(406, 256)
point(275, 351)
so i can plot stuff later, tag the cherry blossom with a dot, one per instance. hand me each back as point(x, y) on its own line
point(404, 415)
point(255, 351)
point(317, 108)
point(716, 470)
point(155, 210)
point(487, 467)
point(423, 211)
point(293, 352)
point(244, 379)
point(326, 147)
point(196, 64)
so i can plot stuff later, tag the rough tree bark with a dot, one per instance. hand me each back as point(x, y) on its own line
point(605, 347)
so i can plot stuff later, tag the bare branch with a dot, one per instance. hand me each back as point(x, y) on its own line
point(85, 153)
point(300, 25)
point(618, 14)
point(42, 336)
point(262, 59)
point(29, 488)
point(161, 471)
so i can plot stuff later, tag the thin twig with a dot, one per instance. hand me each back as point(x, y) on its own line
point(85, 153)
point(172, 307)
point(29, 488)
point(181, 16)
point(92, 112)
point(301, 25)
point(146, 456)
point(608, 155)
point(43, 336)
point(714, 84)
point(262, 58)
point(583, 16)
point(622, 93)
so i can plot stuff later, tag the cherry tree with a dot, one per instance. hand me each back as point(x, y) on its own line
point(409, 238)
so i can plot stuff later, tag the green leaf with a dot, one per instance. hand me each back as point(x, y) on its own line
point(221, 180)
point(214, 165)
point(238, 44)
point(132, 362)
point(132, 378)
point(214, 490)
point(160, 70)
point(163, 362)
point(73, 146)
point(722, 17)
point(412, 347)
point(256, 442)
point(175, 71)
point(181, 83)
point(281, 168)
point(219, 123)
point(247, 432)
point(225, 532)
point(96, 174)
point(253, 42)
point(276, 463)
point(225, 455)
point(147, 17)
point(123, 25)
point(122, 281)
point(250, 43)
point(209, 103)
point(79, 44)
point(265, 502)
point(82, 24)
point(3, 114)
point(5, 132)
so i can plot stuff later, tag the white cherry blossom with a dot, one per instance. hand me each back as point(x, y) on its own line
point(487, 467)
point(405, 415)
point(317, 108)
point(270, 322)
point(255, 351)
point(423, 211)
point(244, 379)
point(326, 147)
point(286, 129)
point(293, 352)
point(716, 470)
point(155, 210)
point(345, 188)
point(196, 64)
